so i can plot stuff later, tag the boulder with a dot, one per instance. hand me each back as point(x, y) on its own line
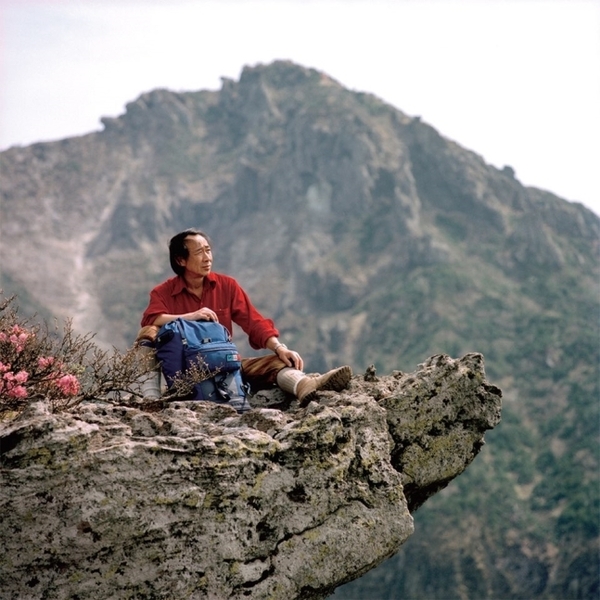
point(196, 501)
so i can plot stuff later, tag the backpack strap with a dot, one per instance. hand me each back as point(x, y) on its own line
point(181, 328)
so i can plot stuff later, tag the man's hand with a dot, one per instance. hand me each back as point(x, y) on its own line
point(203, 314)
point(290, 358)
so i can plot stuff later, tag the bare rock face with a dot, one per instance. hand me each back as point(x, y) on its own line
point(196, 501)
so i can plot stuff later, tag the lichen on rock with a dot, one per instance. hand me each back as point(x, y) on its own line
point(197, 501)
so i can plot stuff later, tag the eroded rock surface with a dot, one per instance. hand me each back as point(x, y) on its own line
point(196, 501)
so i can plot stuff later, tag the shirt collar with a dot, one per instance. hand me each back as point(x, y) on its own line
point(180, 286)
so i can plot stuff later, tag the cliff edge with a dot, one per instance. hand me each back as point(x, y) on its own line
point(195, 501)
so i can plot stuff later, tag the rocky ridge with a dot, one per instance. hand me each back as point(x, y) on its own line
point(196, 501)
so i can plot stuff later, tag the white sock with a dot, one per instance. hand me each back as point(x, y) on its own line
point(288, 379)
point(149, 383)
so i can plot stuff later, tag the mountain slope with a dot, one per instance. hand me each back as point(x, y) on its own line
point(370, 239)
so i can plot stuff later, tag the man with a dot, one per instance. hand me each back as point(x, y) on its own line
point(198, 294)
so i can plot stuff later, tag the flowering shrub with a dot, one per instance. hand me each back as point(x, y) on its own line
point(65, 369)
point(60, 367)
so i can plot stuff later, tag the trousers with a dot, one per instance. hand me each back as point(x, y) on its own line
point(260, 372)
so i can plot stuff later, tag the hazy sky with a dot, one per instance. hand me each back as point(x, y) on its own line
point(517, 81)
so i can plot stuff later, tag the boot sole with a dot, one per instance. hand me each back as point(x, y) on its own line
point(338, 381)
point(308, 398)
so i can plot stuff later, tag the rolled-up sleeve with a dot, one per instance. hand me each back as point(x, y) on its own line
point(258, 328)
point(157, 306)
point(168, 298)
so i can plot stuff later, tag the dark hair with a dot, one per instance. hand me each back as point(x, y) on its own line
point(178, 250)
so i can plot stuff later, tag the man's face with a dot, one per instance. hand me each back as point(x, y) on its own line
point(199, 261)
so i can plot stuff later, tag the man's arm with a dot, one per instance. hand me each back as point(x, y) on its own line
point(202, 314)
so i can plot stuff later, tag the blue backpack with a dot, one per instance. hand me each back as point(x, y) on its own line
point(181, 344)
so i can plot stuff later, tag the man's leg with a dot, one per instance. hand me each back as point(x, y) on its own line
point(149, 383)
point(265, 371)
point(261, 372)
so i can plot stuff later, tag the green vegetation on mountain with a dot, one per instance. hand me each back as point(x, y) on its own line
point(370, 239)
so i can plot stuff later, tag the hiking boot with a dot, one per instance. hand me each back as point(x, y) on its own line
point(335, 380)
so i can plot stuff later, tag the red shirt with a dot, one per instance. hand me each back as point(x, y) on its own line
point(221, 293)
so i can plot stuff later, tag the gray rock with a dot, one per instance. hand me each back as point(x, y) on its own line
point(195, 501)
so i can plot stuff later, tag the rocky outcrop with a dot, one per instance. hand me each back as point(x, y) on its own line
point(195, 501)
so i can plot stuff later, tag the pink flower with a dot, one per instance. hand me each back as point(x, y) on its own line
point(21, 377)
point(11, 384)
point(68, 385)
point(45, 361)
point(18, 391)
point(19, 341)
point(17, 336)
point(3, 367)
point(8, 377)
